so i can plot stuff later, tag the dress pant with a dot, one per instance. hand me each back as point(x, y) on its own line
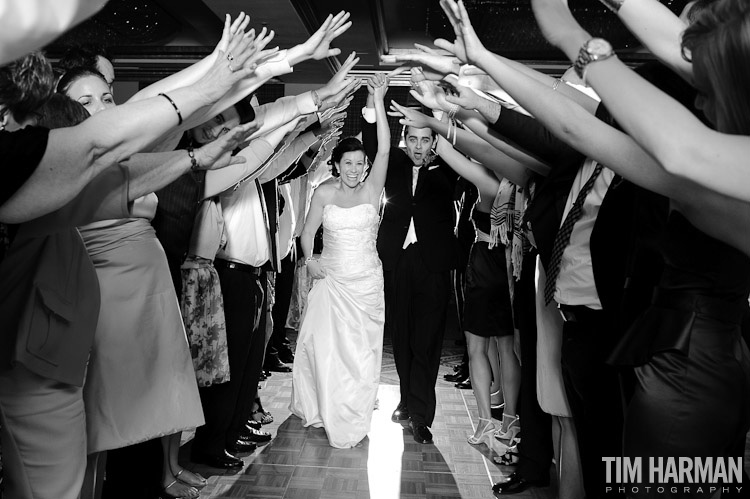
point(43, 436)
point(594, 394)
point(419, 301)
point(280, 310)
point(535, 449)
point(227, 406)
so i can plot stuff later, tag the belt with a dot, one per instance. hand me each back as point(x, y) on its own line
point(579, 313)
point(249, 269)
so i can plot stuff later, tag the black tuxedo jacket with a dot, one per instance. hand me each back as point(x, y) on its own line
point(629, 220)
point(431, 206)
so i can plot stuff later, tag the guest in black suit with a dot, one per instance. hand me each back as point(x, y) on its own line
point(418, 248)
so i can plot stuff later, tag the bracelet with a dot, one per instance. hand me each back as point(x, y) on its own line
point(452, 111)
point(316, 99)
point(556, 84)
point(310, 259)
point(613, 5)
point(194, 166)
point(177, 109)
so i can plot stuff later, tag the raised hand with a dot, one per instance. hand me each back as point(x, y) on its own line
point(468, 48)
point(229, 67)
point(377, 85)
point(464, 97)
point(335, 96)
point(218, 154)
point(264, 38)
point(427, 92)
point(409, 117)
point(318, 46)
point(339, 87)
point(232, 29)
point(438, 65)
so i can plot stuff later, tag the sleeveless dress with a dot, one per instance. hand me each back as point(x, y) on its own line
point(692, 396)
point(340, 344)
point(140, 383)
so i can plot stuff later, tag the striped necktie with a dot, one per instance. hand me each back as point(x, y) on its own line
point(563, 235)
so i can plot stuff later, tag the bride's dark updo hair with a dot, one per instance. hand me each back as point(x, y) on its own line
point(348, 144)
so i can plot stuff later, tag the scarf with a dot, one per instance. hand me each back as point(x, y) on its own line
point(505, 222)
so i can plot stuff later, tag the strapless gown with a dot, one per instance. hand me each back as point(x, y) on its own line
point(340, 344)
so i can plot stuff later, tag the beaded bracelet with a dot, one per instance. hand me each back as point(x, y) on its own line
point(177, 109)
point(194, 166)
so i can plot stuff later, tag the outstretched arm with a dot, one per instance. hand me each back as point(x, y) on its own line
point(665, 129)
point(484, 180)
point(659, 30)
point(468, 101)
point(377, 87)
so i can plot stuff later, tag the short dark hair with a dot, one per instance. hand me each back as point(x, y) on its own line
point(345, 145)
point(26, 84)
point(84, 55)
point(245, 110)
point(75, 74)
point(433, 133)
point(61, 111)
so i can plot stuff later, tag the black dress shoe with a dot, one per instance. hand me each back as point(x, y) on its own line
point(253, 435)
point(422, 434)
point(515, 484)
point(401, 414)
point(242, 446)
point(285, 354)
point(275, 365)
point(253, 424)
point(224, 461)
point(464, 385)
point(460, 373)
point(456, 377)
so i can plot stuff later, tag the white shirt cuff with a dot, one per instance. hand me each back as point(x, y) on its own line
point(368, 113)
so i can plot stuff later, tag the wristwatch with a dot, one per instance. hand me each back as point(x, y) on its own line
point(596, 49)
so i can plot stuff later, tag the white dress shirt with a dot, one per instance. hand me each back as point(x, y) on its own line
point(575, 283)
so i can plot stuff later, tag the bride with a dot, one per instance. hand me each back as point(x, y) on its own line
point(340, 344)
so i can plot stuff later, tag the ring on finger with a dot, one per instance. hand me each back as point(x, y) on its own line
point(231, 68)
point(230, 57)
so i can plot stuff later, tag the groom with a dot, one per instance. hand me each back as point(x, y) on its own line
point(418, 248)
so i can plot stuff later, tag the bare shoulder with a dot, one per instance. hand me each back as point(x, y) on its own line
point(326, 190)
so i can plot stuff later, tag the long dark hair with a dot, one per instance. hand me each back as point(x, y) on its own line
point(75, 74)
point(718, 43)
point(348, 144)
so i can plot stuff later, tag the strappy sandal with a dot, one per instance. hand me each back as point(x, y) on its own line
point(183, 491)
point(198, 483)
point(487, 431)
point(261, 415)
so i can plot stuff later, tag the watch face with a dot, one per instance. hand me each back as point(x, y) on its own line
point(598, 47)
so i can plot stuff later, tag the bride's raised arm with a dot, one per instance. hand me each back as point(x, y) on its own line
point(378, 86)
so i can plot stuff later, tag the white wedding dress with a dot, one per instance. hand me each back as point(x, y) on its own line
point(340, 344)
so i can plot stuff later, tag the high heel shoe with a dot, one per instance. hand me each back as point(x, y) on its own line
point(507, 438)
point(489, 429)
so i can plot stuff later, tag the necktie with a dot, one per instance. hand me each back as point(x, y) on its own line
point(563, 235)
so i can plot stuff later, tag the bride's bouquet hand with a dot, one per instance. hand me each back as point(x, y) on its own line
point(315, 269)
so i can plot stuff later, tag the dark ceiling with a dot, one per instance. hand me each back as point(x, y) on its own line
point(151, 39)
